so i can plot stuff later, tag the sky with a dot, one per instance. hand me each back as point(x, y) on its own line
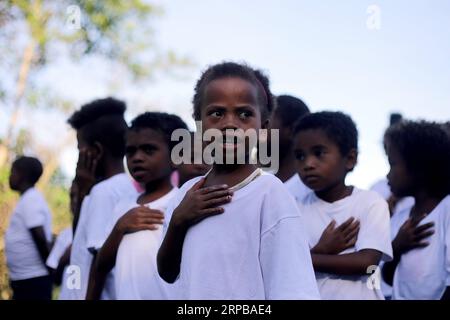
point(365, 58)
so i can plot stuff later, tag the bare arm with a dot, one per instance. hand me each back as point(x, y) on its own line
point(169, 254)
point(346, 264)
point(40, 240)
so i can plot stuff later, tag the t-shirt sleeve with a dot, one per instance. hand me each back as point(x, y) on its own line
point(447, 243)
point(61, 244)
point(99, 212)
point(284, 252)
point(33, 211)
point(375, 230)
point(286, 263)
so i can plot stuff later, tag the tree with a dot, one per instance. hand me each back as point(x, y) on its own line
point(119, 31)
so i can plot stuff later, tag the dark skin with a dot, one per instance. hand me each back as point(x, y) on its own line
point(85, 178)
point(148, 159)
point(323, 168)
point(229, 103)
point(19, 182)
point(95, 163)
point(288, 165)
point(411, 235)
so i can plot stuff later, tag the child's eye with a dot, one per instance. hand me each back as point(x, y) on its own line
point(148, 150)
point(300, 156)
point(216, 114)
point(319, 153)
point(245, 114)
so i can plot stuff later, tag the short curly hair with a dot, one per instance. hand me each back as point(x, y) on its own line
point(29, 167)
point(232, 69)
point(159, 121)
point(338, 127)
point(425, 149)
point(102, 121)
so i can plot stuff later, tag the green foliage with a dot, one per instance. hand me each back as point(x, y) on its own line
point(57, 197)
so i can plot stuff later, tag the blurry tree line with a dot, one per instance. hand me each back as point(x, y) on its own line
point(33, 33)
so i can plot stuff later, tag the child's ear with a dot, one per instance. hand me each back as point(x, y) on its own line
point(99, 150)
point(352, 159)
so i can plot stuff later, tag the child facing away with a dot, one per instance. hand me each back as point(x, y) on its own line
point(419, 158)
point(235, 233)
point(130, 250)
point(348, 228)
point(288, 111)
point(28, 236)
point(101, 130)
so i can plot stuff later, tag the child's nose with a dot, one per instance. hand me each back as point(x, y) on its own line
point(229, 122)
point(309, 164)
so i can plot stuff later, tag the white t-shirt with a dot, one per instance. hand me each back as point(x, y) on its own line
point(94, 226)
point(22, 255)
point(136, 273)
point(63, 241)
point(296, 187)
point(382, 188)
point(256, 249)
point(424, 274)
point(373, 214)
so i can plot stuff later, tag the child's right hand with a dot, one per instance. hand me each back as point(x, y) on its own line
point(335, 240)
point(85, 172)
point(200, 203)
point(139, 218)
point(410, 236)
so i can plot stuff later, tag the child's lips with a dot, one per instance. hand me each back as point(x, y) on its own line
point(310, 179)
point(138, 171)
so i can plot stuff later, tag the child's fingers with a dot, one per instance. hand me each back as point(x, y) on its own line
point(150, 212)
point(217, 194)
point(419, 237)
point(420, 245)
point(346, 223)
point(213, 188)
point(199, 184)
point(148, 226)
point(152, 221)
point(352, 234)
point(217, 201)
point(351, 228)
point(331, 225)
point(209, 211)
point(93, 164)
point(82, 158)
point(424, 227)
point(88, 160)
point(351, 242)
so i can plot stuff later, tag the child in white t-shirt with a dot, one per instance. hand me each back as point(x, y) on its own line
point(245, 241)
point(28, 237)
point(101, 130)
point(348, 228)
point(288, 111)
point(419, 157)
point(130, 250)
